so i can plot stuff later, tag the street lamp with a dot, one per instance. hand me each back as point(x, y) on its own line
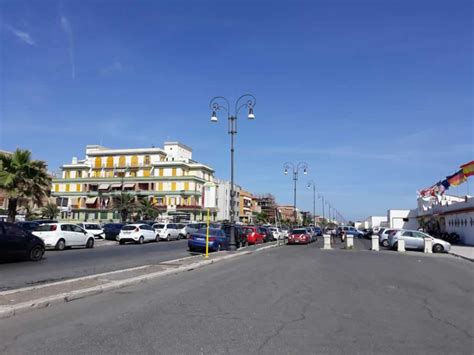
point(329, 210)
point(221, 103)
point(300, 166)
point(311, 183)
point(321, 197)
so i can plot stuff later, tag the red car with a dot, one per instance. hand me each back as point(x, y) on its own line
point(254, 235)
point(299, 236)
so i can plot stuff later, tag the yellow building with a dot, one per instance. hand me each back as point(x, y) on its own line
point(246, 207)
point(169, 177)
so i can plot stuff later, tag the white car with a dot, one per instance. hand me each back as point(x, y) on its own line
point(182, 230)
point(167, 231)
point(93, 229)
point(276, 232)
point(137, 233)
point(64, 235)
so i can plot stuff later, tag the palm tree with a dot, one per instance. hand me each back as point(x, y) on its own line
point(147, 209)
point(125, 204)
point(23, 179)
point(261, 217)
point(50, 211)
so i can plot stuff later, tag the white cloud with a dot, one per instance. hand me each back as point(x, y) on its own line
point(23, 36)
point(66, 26)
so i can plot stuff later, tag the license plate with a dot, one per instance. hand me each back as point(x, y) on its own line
point(125, 232)
point(199, 238)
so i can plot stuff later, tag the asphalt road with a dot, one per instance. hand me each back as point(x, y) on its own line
point(287, 300)
point(60, 265)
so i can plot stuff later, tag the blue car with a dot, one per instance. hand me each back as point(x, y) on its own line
point(217, 240)
point(319, 232)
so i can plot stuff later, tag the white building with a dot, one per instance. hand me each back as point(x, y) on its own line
point(223, 200)
point(376, 221)
point(403, 219)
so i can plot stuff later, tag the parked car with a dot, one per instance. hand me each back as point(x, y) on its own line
point(349, 230)
point(299, 236)
point(254, 234)
point(276, 233)
point(193, 228)
point(93, 229)
point(44, 221)
point(217, 240)
point(383, 237)
point(181, 230)
point(416, 240)
point(28, 225)
point(137, 233)
point(267, 234)
point(167, 231)
point(312, 233)
point(239, 234)
point(112, 230)
point(64, 235)
point(16, 242)
point(285, 231)
point(319, 231)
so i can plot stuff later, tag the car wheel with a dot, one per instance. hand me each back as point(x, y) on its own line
point(218, 247)
point(141, 240)
point(168, 238)
point(36, 253)
point(179, 237)
point(438, 248)
point(121, 242)
point(157, 238)
point(395, 246)
point(61, 245)
point(90, 243)
point(385, 243)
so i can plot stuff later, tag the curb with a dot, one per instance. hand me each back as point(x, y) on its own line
point(462, 257)
point(10, 311)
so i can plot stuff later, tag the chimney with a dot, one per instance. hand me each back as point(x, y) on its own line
point(74, 160)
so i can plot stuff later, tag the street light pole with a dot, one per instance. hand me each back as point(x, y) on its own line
point(221, 103)
point(296, 168)
point(322, 199)
point(313, 184)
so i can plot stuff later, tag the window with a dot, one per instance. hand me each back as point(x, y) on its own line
point(11, 230)
point(77, 229)
point(146, 172)
point(98, 163)
point(147, 160)
point(186, 185)
point(160, 186)
point(67, 174)
point(79, 173)
point(122, 161)
point(173, 186)
point(408, 234)
point(67, 187)
point(134, 161)
point(78, 187)
point(160, 171)
point(66, 228)
point(56, 188)
point(173, 172)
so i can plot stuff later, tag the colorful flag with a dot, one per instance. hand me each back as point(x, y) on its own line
point(445, 183)
point(468, 168)
point(456, 179)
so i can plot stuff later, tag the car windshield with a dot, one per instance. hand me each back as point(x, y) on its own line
point(299, 231)
point(129, 228)
point(159, 226)
point(91, 226)
point(46, 228)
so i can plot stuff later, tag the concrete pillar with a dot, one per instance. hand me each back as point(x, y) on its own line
point(375, 242)
point(327, 241)
point(401, 245)
point(349, 241)
point(428, 245)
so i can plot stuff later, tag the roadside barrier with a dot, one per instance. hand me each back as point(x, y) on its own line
point(428, 245)
point(375, 242)
point(349, 241)
point(401, 245)
point(327, 242)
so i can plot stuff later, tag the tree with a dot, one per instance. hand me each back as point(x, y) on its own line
point(50, 211)
point(124, 204)
point(261, 217)
point(23, 180)
point(147, 209)
point(350, 223)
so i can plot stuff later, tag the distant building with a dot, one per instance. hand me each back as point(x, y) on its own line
point(267, 205)
point(168, 177)
point(246, 207)
point(376, 222)
point(223, 200)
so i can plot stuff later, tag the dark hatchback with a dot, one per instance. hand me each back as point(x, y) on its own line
point(16, 242)
point(112, 230)
point(239, 233)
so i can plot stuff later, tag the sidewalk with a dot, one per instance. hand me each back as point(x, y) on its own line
point(463, 251)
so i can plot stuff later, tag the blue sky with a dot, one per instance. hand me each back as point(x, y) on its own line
point(376, 96)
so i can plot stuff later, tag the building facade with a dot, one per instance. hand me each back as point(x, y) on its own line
point(246, 207)
point(223, 200)
point(168, 177)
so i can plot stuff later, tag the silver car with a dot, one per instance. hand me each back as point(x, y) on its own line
point(416, 240)
point(383, 237)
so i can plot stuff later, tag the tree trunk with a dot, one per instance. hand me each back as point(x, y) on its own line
point(12, 205)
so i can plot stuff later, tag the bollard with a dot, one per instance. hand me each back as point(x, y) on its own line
point(428, 245)
point(349, 241)
point(327, 242)
point(401, 245)
point(375, 242)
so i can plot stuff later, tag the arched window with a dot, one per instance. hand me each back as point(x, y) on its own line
point(134, 161)
point(98, 163)
point(110, 162)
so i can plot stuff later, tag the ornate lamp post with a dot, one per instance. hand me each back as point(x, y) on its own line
point(221, 103)
point(296, 168)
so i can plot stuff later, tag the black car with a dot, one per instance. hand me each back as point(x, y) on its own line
point(240, 236)
point(267, 234)
point(112, 230)
point(16, 242)
point(45, 221)
point(28, 225)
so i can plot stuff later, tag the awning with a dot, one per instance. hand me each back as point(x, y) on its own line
point(128, 186)
point(116, 186)
point(91, 200)
point(104, 186)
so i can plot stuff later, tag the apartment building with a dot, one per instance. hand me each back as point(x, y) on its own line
point(167, 176)
point(246, 207)
point(223, 200)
